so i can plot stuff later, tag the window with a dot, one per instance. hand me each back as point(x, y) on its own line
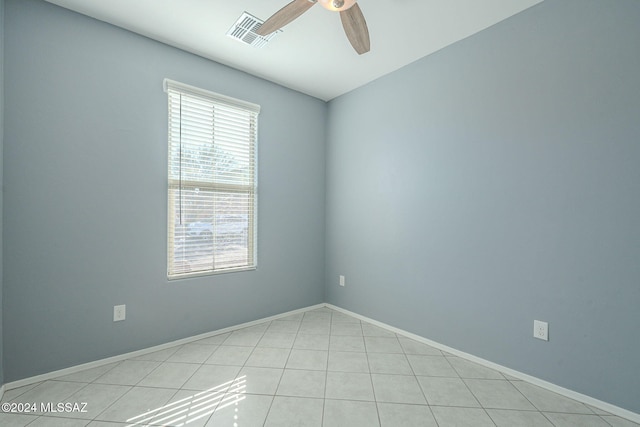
point(212, 182)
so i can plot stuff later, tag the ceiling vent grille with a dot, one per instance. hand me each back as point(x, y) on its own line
point(244, 30)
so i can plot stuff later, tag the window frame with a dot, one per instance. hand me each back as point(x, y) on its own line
point(251, 190)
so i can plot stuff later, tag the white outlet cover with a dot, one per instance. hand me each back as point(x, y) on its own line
point(541, 330)
point(119, 312)
point(341, 280)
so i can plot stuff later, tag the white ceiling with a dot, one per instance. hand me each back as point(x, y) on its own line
point(312, 55)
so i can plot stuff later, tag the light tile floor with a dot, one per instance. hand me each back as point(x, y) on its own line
point(320, 368)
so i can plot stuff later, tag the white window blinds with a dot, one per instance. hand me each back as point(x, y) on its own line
point(212, 182)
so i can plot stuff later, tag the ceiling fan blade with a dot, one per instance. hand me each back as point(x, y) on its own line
point(284, 16)
point(355, 27)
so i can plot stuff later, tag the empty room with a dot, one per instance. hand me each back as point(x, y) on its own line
point(283, 213)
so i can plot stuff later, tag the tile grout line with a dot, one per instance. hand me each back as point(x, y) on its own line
point(326, 373)
point(373, 389)
point(473, 394)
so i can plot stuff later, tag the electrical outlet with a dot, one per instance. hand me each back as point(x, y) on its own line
point(541, 330)
point(119, 312)
point(341, 280)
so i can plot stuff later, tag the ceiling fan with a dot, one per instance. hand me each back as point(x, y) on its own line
point(355, 27)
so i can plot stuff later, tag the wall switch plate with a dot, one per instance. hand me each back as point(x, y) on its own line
point(119, 312)
point(341, 280)
point(541, 330)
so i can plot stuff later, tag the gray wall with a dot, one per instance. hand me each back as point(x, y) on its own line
point(497, 182)
point(85, 201)
point(1, 174)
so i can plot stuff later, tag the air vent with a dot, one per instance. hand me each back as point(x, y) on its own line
point(244, 31)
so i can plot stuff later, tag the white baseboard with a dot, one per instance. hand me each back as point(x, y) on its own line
point(612, 409)
point(607, 407)
point(121, 357)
